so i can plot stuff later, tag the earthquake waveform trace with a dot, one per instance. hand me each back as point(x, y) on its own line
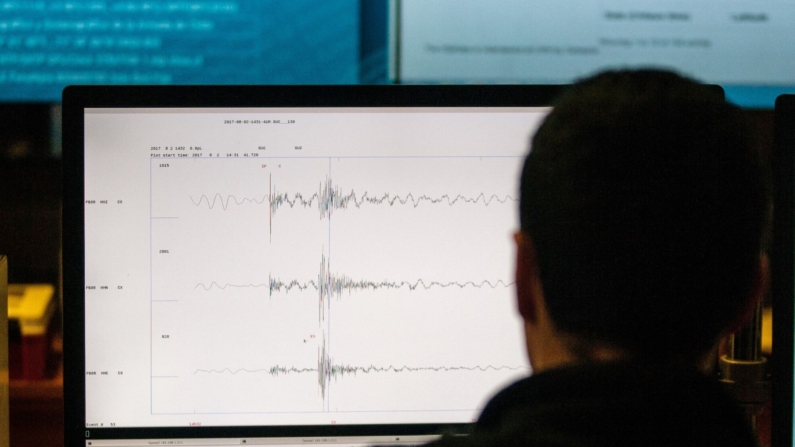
point(327, 369)
point(330, 197)
point(224, 202)
point(329, 285)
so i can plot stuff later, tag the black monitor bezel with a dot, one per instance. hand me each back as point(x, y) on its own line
point(782, 255)
point(77, 98)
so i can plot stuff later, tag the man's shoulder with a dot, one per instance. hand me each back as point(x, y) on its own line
point(610, 405)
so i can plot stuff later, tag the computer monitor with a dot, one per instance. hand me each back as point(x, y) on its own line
point(783, 271)
point(287, 265)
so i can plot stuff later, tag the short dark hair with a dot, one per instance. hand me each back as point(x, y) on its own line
point(648, 203)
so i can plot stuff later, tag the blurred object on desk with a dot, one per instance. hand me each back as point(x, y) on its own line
point(767, 331)
point(37, 405)
point(30, 311)
point(4, 413)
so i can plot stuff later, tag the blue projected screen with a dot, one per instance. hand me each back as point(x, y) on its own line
point(46, 45)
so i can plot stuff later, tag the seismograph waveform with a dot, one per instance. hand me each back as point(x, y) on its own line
point(329, 285)
point(326, 369)
point(215, 285)
point(223, 202)
point(330, 197)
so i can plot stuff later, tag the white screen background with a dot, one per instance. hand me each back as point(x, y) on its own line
point(336, 267)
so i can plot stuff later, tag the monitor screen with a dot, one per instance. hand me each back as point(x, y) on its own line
point(745, 46)
point(290, 270)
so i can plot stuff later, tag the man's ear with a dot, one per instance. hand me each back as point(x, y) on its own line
point(528, 283)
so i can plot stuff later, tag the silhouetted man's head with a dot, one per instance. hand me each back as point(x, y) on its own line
point(647, 205)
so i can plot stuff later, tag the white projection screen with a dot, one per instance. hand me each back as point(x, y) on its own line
point(745, 46)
